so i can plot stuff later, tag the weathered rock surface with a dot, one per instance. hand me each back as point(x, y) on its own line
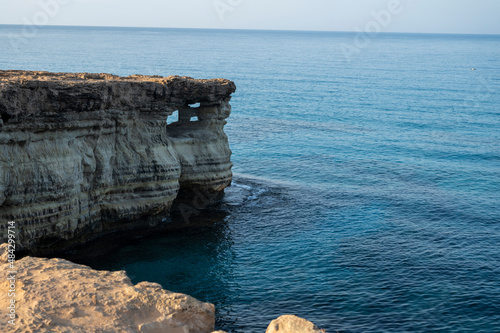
point(292, 324)
point(85, 154)
point(55, 295)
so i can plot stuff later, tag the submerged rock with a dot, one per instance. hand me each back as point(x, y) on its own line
point(82, 155)
point(55, 295)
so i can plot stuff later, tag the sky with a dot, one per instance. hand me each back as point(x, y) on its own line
point(424, 16)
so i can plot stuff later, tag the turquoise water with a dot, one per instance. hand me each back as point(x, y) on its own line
point(366, 194)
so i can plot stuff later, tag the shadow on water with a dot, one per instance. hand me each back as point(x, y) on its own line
point(196, 260)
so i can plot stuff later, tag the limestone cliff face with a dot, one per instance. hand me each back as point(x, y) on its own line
point(85, 154)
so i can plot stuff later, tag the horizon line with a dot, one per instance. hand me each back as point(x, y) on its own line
point(255, 29)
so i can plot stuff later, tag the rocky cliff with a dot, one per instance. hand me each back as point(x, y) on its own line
point(84, 154)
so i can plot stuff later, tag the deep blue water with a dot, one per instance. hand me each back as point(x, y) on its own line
point(366, 194)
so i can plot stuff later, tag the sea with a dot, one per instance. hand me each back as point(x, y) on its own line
point(366, 192)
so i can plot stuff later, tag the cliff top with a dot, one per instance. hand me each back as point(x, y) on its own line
point(33, 92)
point(21, 77)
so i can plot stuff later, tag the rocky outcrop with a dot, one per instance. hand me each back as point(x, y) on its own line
point(84, 154)
point(292, 324)
point(55, 295)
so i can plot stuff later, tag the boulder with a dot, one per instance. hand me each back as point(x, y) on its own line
point(292, 324)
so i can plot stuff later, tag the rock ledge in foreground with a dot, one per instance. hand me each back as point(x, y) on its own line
point(55, 295)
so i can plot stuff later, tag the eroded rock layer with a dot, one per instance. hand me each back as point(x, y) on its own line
point(85, 154)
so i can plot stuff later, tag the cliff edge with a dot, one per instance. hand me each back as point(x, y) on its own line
point(82, 155)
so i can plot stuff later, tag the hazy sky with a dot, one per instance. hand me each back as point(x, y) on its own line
point(443, 16)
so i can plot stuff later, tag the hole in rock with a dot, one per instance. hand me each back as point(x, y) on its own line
point(5, 117)
point(194, 118)
point(195, 105)
point(173, 118)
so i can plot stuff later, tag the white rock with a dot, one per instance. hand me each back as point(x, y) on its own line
point(292, 324)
